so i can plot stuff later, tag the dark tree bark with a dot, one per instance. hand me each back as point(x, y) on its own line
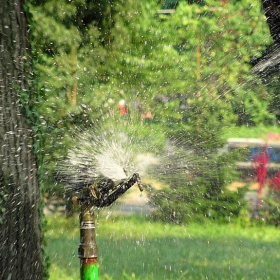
point(271, 9)
point(20, 233)
point(268, 65)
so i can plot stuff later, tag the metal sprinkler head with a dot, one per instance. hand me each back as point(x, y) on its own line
point(105, 192)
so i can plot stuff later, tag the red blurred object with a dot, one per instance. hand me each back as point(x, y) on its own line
point(122, 107)
point(260, 163)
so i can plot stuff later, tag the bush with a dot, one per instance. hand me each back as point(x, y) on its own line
point(197, 188)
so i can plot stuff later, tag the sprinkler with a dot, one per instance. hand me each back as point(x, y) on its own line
point(100, 194)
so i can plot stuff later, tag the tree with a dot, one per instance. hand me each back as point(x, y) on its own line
point(69, 41)
point(271, 9)
point(21, 254)
point(199, 78)
point(214, 51)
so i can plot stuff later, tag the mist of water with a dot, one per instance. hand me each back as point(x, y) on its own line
point(101, 153)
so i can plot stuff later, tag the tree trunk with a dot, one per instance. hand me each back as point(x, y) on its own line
point(20, 228)
point(271, 9)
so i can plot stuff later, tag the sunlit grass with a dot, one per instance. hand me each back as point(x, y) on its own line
point(260, 131)
point(136, 248)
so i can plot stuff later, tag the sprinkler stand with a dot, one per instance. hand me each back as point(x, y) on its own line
point(88, 251)
point(96, 196)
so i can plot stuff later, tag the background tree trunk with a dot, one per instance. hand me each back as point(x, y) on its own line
point(271, 9)
point(20, 234)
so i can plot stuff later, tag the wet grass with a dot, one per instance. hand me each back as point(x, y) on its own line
point(132, 247)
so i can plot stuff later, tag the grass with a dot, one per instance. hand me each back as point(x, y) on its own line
point(132, 247)
point(249, 132)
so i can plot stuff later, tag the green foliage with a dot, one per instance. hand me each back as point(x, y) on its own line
point(264, 212)
point(272, 83)
point(200, 191)
point(66, 56)
point(220, 203)
point(96, 53)
point(269, 210)
point(213, 51)
point(187, 79)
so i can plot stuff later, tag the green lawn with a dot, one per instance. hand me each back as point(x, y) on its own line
point(136, 248)
point(249, 132)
